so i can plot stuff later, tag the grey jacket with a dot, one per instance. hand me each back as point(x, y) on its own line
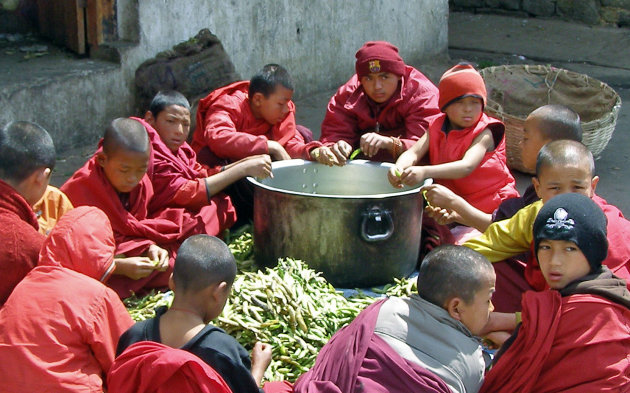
point(426, 334)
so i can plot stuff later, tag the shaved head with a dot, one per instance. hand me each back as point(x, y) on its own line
point(558, 122)
point(24, 147)
point(451, 271)
point(203, 260)
point(565, 153)
point(125, 134)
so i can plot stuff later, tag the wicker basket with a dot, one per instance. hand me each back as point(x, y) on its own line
point(516, 90)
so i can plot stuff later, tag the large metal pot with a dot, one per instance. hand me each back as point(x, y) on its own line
point(347, 222)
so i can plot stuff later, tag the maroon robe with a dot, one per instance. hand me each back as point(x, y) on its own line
point(357, 360)
point(172, 171)
point(135, 228)
point(150, 367)
point(19, 239)
point(576, 340)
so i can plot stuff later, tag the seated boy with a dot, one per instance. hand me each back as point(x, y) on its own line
point(574, 336)
point(115, 180)
point(50, 207)
point(383, 109)
point(425, 343)
point(250, 118)
point(466, 147)
point(178, 179)
point(202, 279)
point(27, 157)
point(562, 166)
point(545, 124)
point(60, 326)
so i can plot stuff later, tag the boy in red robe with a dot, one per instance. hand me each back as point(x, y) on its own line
point(424, 343)
point(466, 147)
point(178, 179)
point(115, 180)
point(60, 325)
point(573, 336)
point(202, 280)
point(250, 118)
point(27, 157)
point(562, 167)
point(382, 110)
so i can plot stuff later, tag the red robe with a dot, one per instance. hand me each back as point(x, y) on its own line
point(577, 343)
point(175, 178)
point(19, 239)
point(136, 229)
point(491, 182)
point(351, 113)
point(150, 367)
point(60, 326)
point(227, 131)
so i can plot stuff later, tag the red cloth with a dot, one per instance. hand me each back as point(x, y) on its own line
point(351, 113)
point(618, 259)
point(174, 172)
point(355, 358)
point(460, 81)
point(19, 239)
point(491, 182)
point(136, 229)
point(227, 129)
point(278, 387)
point(557, 341)
point(150, 367)
point(60, 326)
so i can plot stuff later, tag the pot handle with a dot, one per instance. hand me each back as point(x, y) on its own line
point(381, 216)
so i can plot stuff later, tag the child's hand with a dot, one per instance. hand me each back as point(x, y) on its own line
point(134, 267)
point(258, 166)
point(324, 155)
point(494, 340)
point(341, 150)
point(393, 175)
point(412, 175)
point(440, 215)
point(441, 196)
point(372, 142)
point(158, 256)
point(277, 152)
point(261, 358)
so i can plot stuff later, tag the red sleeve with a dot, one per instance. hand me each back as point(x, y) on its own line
point(295, 144)
point(19, 255)
point(193, 194)
point(222, 136)
point(110, 321)
point(339, 123)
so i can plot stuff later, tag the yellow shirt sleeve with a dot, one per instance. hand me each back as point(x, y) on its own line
point(507, 238)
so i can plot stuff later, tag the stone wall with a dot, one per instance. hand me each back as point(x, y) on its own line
point(591, 12)
point(314, 39)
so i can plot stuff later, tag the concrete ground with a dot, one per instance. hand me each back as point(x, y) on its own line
point(495, 40)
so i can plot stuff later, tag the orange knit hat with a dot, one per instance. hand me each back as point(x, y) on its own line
point(461, 81)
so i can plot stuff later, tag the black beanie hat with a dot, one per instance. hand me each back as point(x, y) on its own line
point(575, 218)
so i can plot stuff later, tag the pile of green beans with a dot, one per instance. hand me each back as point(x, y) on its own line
point(290, 306)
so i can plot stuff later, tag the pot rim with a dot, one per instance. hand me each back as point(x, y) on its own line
point(300, 162)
